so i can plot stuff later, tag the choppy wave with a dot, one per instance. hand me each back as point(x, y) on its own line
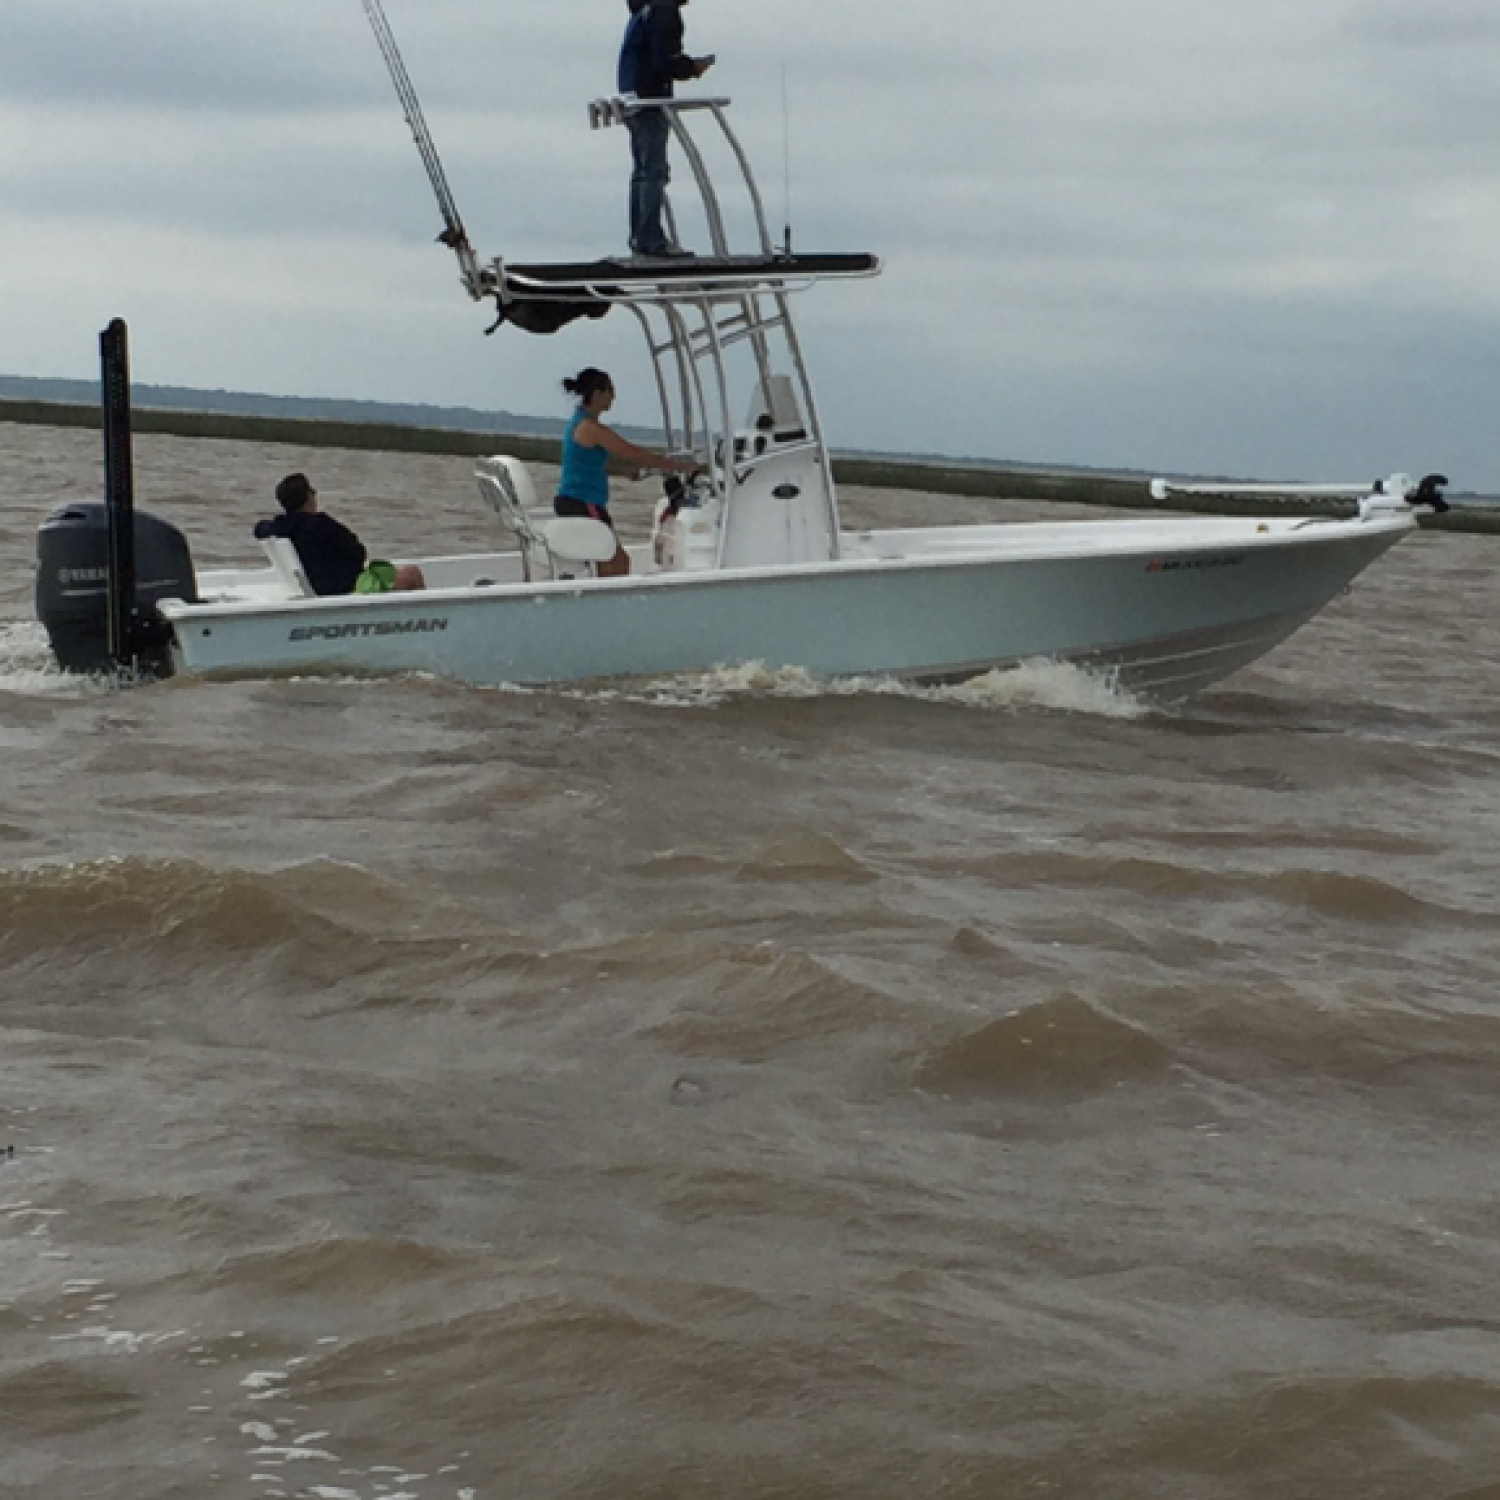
point(155, 897)
point(161, 906)
point(1062, 1045)
point(336, 1268)
point(425, 1093)
point(61, 1399)
point(803, 856)
point(753, 1007)
point(1322, 892)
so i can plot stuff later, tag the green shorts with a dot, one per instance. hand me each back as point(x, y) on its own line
point(378, 577)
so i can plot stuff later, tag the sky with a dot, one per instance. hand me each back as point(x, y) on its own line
point(1257, 238)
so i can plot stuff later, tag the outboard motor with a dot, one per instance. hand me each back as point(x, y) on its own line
point(72, 597)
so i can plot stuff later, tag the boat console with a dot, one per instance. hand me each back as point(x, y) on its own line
point(733, 388)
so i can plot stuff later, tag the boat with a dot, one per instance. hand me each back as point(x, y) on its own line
point(751, 563)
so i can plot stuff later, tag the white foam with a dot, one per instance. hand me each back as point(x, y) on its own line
point(1058, 686)
point(117, 1338)
point(27, 665)
point(291, 1455)
point(1049, 684)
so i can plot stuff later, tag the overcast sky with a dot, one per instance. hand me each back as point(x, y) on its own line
point(1250, 237)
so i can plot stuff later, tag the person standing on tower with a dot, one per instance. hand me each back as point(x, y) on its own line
point(652, 60)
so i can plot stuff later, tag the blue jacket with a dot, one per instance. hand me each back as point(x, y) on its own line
point(651, 56)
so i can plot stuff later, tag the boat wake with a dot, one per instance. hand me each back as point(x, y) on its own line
point(1057, 686)
point(27, 665)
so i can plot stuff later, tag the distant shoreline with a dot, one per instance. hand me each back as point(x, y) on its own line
point(935, 475)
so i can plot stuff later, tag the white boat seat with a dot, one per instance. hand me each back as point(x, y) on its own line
point(551, 546)
point(288, 566)
point(505, 486)
point(579, 539)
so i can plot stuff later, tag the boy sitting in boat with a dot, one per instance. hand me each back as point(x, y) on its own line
point(334, 559)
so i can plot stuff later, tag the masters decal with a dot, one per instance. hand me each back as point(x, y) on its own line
point(1193, 564)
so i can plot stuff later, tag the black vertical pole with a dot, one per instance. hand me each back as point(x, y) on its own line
point(119, 492)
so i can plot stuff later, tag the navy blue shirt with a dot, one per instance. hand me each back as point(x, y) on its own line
point(651, 56)
point(332, 556)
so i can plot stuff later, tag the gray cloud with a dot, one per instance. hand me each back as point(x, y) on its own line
point(169, 57)
point(1188, 234)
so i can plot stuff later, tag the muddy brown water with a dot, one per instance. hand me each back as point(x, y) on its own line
point(740, 1088)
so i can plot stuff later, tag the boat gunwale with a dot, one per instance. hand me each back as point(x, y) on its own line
point(1146, 539)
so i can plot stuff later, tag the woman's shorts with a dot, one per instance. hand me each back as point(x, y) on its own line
point(568, 507)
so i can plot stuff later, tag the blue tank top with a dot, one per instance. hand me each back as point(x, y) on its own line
point(585, 474)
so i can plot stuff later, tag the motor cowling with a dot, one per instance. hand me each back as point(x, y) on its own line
point(72, 584)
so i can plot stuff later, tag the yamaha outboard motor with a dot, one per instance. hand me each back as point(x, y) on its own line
point(72, 596)
point(102, 568)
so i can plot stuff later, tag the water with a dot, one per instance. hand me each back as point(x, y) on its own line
point(738, 1088)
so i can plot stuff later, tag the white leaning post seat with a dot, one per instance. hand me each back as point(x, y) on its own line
point(288, 566)
point(569, 541)
point(505, 486)
point(579, 539)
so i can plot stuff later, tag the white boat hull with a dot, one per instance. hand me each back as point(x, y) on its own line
point(749, 561)
point(1170, 607)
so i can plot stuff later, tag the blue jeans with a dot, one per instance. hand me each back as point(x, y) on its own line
point(648, 179)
